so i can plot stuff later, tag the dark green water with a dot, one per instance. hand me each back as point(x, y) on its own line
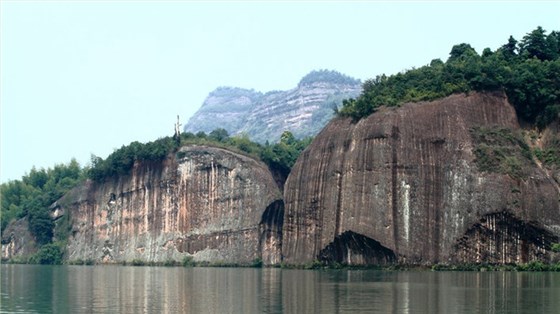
point(121, 289)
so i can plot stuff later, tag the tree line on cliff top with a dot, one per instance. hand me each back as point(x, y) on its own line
point(33, 195)
point(279, 157)
point(528, 71)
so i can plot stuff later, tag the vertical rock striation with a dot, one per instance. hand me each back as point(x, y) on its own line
point(403, 185)
point(204, 202)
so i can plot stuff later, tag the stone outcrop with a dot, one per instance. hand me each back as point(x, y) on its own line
point(204, 202)
point(303, 110)
point(403, 185)
point(17, 241)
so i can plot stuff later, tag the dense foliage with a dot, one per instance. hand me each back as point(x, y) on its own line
point(120, 162)
point(51, 253)
point(34, 194)
point(280, 156)
point(528, 71)
point(283, 155)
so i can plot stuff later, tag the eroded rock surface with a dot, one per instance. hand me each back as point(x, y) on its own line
point(404, 183)
point(204, 202)
point(17, 241)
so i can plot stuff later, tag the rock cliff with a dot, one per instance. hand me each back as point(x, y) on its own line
point(204, 202)
point(409, 185)
point(17, 241)
point(303, 110)
point(449, 181)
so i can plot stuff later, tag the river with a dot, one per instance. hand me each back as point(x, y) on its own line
point(127, 289)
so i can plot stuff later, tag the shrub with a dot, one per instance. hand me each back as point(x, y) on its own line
point(51, 254)
point(554, 267)
point(257, 262)
point(316, 264)
point(500, 150)
point(533, 266)
point(137, 262)
point(169, 263)
point(188, 261)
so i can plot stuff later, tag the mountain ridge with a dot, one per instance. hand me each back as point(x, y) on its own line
point(302, 110)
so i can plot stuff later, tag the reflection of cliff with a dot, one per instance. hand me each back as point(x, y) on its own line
point(205, 202)
point(405, 182)
point(116, 289)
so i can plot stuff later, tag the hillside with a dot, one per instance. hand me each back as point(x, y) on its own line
point(303, 110)
point(456, 162)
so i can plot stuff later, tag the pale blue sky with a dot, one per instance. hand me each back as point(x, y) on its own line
point(86, 77)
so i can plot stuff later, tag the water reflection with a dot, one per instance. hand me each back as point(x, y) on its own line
point(118, 289)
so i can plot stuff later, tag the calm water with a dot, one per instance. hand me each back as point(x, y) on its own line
point(120, 289)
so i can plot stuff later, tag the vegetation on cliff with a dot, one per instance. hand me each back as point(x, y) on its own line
point(280, 156)
point(121, 161)
point(527, 70)
point(501, 150)
point(549, 153)
point(33, 195)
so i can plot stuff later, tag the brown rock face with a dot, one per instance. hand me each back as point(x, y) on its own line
point(204, 202)
point(402, 186)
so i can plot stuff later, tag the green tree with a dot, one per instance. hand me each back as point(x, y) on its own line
point(282, 156)
point(33, 195)
point(287, 138)
point(220, 135)
point(530, 79)
point(509, 50)
point(553, 43)
point(244, 143)
point(51, 254)
point(36, 178)
point(201, 134)
point(461, 51)
point(535, 45)
point(40, 224)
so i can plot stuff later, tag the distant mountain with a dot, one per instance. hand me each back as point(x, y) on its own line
point(303, 110)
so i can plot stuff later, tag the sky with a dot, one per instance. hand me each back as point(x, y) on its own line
point(85, 77)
